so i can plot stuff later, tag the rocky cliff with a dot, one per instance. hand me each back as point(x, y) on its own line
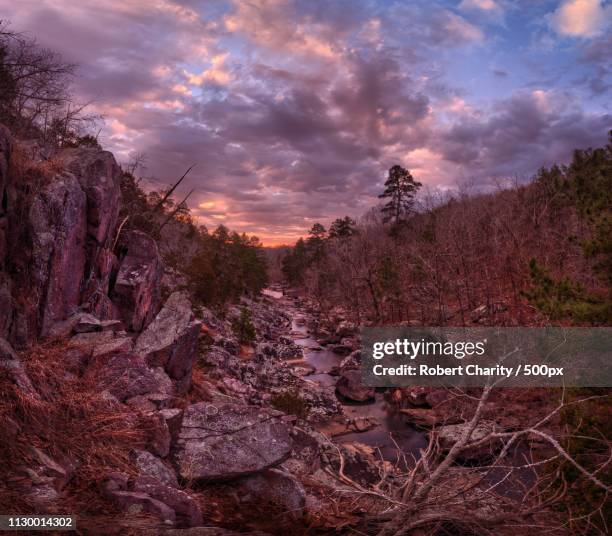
point(97, 396)
point(59, 243)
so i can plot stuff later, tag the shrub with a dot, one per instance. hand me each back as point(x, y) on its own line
point(292, 403)
point(243, 328)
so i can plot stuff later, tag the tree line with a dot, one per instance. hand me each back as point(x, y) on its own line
point(219, 266)
point(529, 254)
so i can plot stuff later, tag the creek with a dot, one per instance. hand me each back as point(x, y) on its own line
point(392, 435)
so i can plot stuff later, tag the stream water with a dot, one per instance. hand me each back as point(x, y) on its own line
point(392, 435)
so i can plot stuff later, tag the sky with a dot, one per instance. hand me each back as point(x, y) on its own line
point(293, 111)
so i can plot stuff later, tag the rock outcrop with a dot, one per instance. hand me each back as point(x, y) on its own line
point(136, 291)
point(126, 375)
point(220, 442)
point(351, 387)
point(58, 232)
point(170, 341)
point(58, 219)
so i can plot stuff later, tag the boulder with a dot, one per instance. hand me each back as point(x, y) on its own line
point(99, 344)
point(275, 487)
point(219, 442)
point(150, 465)
point(136, 502)
point(186, 509)
point(12, 366)
point(449, 435)
point(65, 328)
point(351, 387)
point(126, 375)
point(171, 340)
point(99, 176)
point(136, 291)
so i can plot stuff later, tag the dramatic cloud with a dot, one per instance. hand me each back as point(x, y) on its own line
point(294, 110)
point(581, 18)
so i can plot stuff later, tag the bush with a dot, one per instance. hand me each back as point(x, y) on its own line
point(243, 328)
point(292, 403)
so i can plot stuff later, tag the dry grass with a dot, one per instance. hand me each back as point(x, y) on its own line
point(72, 422)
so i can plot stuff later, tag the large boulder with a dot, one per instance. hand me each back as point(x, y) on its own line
point(171, 340)
point(126, 375)
point(275, 487)
point(150, 465)
point(219, 442)
point(186, 509)
point(100, 178)
point(58, 233)
point(136, 292)
point(351, 387)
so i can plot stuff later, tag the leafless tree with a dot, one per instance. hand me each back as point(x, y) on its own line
point(438, 496)
point(36, 98)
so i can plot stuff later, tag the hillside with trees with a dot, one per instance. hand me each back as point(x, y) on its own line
point(530, 255)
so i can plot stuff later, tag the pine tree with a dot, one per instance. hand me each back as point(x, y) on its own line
point(316, 242)
point(342, 228)
point(401, 188)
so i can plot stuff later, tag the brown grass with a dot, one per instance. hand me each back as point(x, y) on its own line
point(72, 421)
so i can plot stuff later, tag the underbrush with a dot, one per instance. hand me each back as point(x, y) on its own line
point(75, 425)
point(292, 403)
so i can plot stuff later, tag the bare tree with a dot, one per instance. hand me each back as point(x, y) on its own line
point(36, 98)
point(436, 495)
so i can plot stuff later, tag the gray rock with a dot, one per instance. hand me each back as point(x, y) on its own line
point(101, 343)
point(350, 386)
point(449, 435)
point(100, 178)
point(86, 323)
point(136, 502)
point(276, 487)
point(126, 375)
point(58, 232)
point(187, 510)
point(218, 442)
point(170, 341)
point(150, 465)
point(12, 365)
point(136, 292)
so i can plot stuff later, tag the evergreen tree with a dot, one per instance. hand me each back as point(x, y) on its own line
point(400, 188)
point(342, 228)
point(295, 262)
point(316, 242)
